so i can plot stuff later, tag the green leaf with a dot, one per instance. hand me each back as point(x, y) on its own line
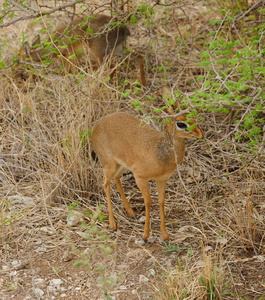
point(150, 97)
point(134, 19)
point(136, 103)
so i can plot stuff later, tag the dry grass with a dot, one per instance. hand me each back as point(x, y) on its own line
point(214, 214)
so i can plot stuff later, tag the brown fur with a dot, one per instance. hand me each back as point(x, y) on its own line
point(74, 35)
point(122, 142)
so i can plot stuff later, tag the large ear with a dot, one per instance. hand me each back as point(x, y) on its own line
point(36, 40)
point(167, 95)
point(26, 48)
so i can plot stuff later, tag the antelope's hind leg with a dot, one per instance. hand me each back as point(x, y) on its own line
point(144, 188)
point(123, 197)
point(161, 189)
point(110, 169)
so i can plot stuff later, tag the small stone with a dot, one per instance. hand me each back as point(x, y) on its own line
point(21, 200)
point(142, 219)
point(152, 272)
point(14, 273)
point(67, 255)
point(46, 230)
point(74, 218)
point(260, 258)
point(139, 242)
point(40, 283)
point(262, 206)
point(221, 240)
point(142, 278)
point(123, 287)
point(56, 283)
point(51, 289)
point(38, 292)
point(15, 263)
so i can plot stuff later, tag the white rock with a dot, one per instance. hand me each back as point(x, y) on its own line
point(51, 289)
point(21, 200)
point(142, 219)
point(13, 273)
point(142, 278)
point(56, 282)
point(74, 218)
point(139, 242)
point(15, 263)
point(152, 272)
point(260, 258)
point(40, 282)
point(262, 206)
point(47, 230)
point(123, 287)
point(38, 292)
point(221, 240)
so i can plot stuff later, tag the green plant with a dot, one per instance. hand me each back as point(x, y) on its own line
point(101, 247)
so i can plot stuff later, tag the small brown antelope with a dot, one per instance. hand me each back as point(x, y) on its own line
point(83, 32)
point(122, 142)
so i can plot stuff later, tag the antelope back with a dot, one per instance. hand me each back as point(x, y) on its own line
point(74, 35)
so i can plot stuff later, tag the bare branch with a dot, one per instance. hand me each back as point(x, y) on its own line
point(253, 7)
point(39, 14)
point(19, 6)
point(177, 3)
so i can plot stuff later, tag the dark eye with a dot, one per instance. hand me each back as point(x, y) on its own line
point(182, 125)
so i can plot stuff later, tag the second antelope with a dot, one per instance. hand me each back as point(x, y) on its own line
point(123, 142)
point(94, 34)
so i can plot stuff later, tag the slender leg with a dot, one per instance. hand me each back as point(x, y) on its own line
point(140, 62)
point(161, 189)
point(144, 188)
point(123, 197)
point(109, 170)
point(111, 217)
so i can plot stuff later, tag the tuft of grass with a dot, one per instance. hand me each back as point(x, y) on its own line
point(193, 279)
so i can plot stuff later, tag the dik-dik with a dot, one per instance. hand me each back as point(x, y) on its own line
point(94, 34)
point(123, 142)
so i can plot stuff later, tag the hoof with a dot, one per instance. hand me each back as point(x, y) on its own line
point(113, 228)
point(145, 240)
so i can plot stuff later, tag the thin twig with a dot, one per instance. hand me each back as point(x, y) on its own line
point(39, 14)
point(253, 7)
